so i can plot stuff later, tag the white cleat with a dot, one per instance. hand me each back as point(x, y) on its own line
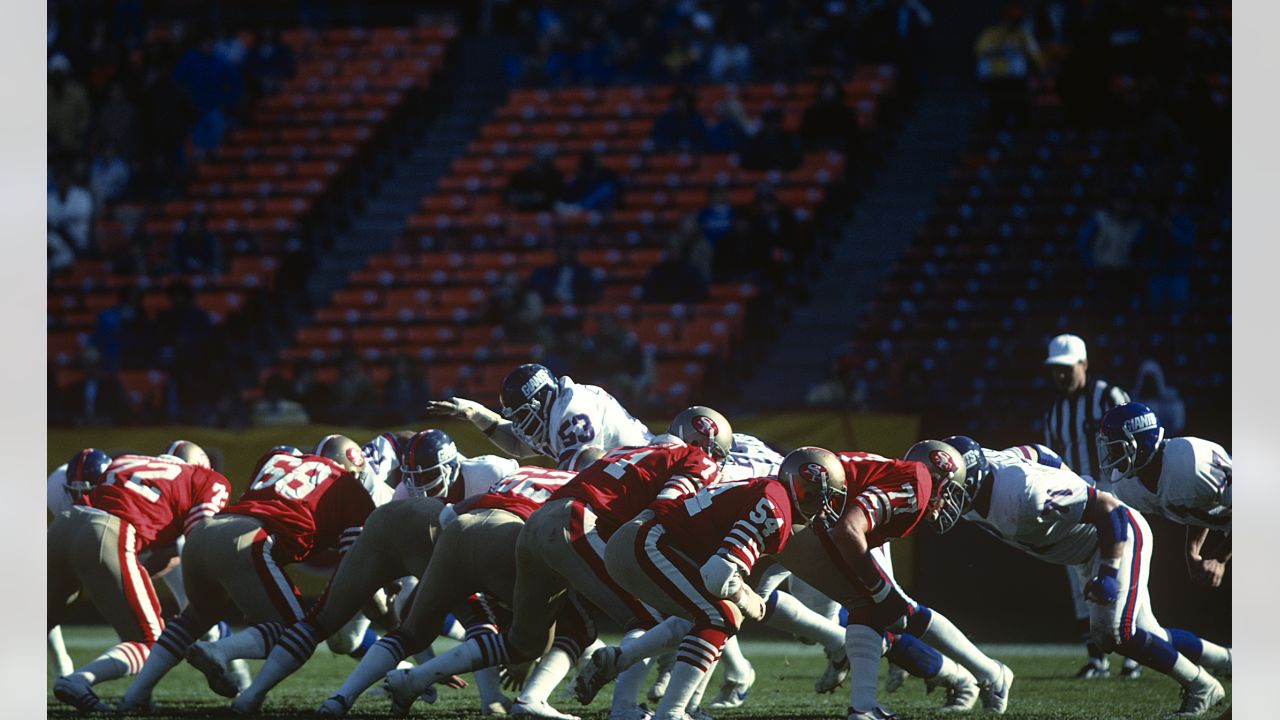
point(1203, 693)
point(837, 670)
point(500, 705)
point(659, 686)
point(400, 688)
point(635, 712)
point(894, 679)
point(733, 692)
point(539, 709)
point(880, 712)
point(335, 707)
point(961, 695)
point(205, 657)
point(77, 692)
point(697, 713)
point(1130, 670)
point(238, 671)
point(597, 672)
point(995, 694)
point(1094, 670)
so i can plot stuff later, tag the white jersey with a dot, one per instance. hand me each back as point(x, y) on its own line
point(749, 457)
point(476, 474)
point(59, 496)
point(1036, 509)
point(383, 456)
point(587, 415)
point(1194, 487)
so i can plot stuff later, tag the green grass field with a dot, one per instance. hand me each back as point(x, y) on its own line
point(785, 672)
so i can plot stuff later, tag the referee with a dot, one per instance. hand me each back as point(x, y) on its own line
point(1070, 429)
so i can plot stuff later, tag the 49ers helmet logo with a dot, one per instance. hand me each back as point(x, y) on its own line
point(705, 425)
point(355, 456)
point(814, 472)
point(942, 461)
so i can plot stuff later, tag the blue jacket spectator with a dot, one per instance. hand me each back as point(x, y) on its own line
point(214, 86)
point(566, 281)
point(680, 127)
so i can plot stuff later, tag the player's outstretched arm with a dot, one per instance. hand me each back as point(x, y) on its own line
point(487, 421)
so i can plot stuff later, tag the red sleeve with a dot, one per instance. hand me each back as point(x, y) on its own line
point(895, 502)
point(763, 530)
point(694, 471)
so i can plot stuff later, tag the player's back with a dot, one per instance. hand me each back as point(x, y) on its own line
point(521, 492)
point(307, 502)
point(750, 457)
point(161, 497)
point(1036, 508)
point(623, 482)
point(892, 494)
point(587, 415)
point(1193, 488)
point(753, 516)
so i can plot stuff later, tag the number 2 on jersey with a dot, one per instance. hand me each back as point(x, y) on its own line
point(133, 470)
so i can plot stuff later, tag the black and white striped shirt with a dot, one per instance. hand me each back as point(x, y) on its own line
point(1071, 424)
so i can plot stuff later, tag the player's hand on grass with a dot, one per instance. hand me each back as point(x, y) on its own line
point(454, 682)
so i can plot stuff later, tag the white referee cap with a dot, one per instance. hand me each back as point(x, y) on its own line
point(1066, 350)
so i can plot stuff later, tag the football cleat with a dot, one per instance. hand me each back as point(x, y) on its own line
point(837, 670)
point(880, 712)
point(995, 694)
point(1203, 693)
point(659, 686)
point(635, 712)
point(599, 671)
point(77, 692)
point(1095, 669)
point(205, 657)
point(335, 707)
point(539, 709)
point(961, 695)
point(895, 678)
point(496, 707)
point(697, 713)
point(733, 692)
point(1222, 669)
point(400, 688)
point(1131, 670)
point(247, 703)
point(135, 706)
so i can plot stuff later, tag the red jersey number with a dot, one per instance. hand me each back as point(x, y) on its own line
point(705, 496)
point(293, 478)
point(537, 485)
point(131, 472)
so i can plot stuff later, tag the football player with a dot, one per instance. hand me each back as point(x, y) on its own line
point(561, 546)
point(1186, 479)
point(473, 552)
point(852, 503)
point(134, 502)
point(548, 416)
point(690, 558)
point(1054, 515)
point(63, 493)
point(295, 506)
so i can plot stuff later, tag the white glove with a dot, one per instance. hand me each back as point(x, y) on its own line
point(454, 407)
point(751, 604)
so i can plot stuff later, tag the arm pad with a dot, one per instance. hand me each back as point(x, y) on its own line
point(1113, 527)
point(721, 577)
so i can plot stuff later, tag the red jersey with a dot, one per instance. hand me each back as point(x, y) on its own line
point(739, 519)
point(307, 503)
point(891, 494)
point(621, 484)
point(159, 497)
point(521, 492)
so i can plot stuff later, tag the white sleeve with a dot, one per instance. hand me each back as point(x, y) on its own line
point(481, 472)
point(59, 499)
point(381, 456)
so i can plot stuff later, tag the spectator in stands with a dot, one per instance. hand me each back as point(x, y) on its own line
point(731, 128)
point(772, 148)
point(136, 258)
point(538, 185)
point(769, 246)
point(683, 57)
point(195, 249)
point(680, 128)
point(70, 211)
point(269, 63)
point(781, 54)
point(716, 219)
point(214, 87)
point(1150, 390)
point(307, 390)
point(108, 176)
point(730, 59)
point(1107, 241)
point(1167, 258)
point(518, 309)
point(829, 123)
point(68, 108)
point(275, 408)
point(98, 398)
point(565, 281)
point(674, 279)
point(185, 331)
point(593, 187)
point(1005, 53)
point(123, 334)
point(116, 124)
point(355, 396)
point(166, 112)
point(617, 361)
point(405, 392)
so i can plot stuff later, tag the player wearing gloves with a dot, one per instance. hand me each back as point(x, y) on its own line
point(548, 416)
point(126, 506)
point(561, 547)
point(1056, 516)
point(1186, 479)
point(294, 507)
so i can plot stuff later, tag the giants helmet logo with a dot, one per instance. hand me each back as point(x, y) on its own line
point(705, 425)
point(814, 472)
point(942, 461)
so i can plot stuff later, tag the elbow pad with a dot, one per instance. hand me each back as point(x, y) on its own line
point(721, 577)
point(1113, 528)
